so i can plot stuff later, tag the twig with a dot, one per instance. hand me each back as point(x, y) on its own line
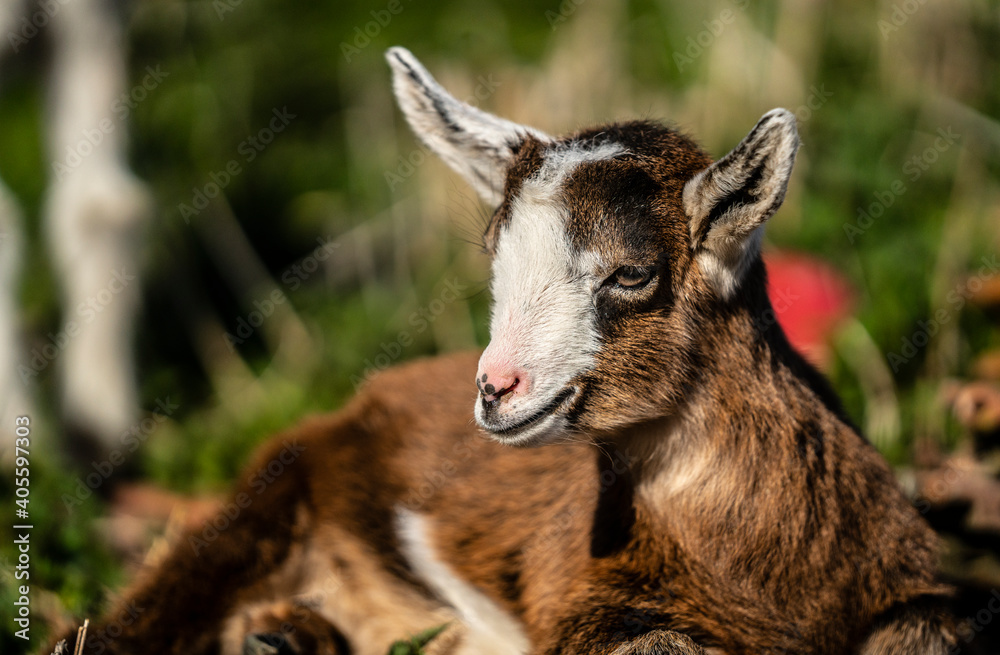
point(81, 635)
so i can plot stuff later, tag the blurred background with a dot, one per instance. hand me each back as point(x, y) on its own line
point(260, 232)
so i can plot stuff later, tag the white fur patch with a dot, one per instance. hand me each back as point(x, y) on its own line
point(490, 629)
point(543, 317)
point(726, 272)
point(684, 474)
point(562, 160)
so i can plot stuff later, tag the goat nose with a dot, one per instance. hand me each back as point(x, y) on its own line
point(497, 384)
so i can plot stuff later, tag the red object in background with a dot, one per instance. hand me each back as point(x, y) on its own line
point(810, 299)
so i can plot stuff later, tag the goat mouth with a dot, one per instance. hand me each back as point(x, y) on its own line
point(541, 414)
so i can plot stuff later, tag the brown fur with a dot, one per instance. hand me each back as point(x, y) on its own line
point(803, 556)
point(710, 493)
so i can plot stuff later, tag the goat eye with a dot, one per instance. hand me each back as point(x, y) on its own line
point(631, 277)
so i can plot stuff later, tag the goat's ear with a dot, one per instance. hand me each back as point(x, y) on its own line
point(477, 145)
point(728, 202)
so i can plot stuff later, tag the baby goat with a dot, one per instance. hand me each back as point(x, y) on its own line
point(699, 489)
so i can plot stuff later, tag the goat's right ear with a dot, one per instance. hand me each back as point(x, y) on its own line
point(477, 145)
point(729, 201)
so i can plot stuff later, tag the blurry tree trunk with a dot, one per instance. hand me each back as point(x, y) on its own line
point(95, 213)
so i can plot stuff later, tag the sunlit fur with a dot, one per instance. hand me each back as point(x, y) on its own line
point(543, 313)
point(700, 490)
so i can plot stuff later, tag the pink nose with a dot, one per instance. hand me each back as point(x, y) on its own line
point(494, 385)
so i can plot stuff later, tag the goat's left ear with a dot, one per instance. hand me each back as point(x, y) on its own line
point(477, 145)
point(728, 202)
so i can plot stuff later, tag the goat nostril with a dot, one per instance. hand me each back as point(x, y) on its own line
point(490, 392)
point(513, 386)
point(504, 392)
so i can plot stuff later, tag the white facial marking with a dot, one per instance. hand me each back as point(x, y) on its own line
point(561, 161)
point(543, 317)
point(491, 630)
